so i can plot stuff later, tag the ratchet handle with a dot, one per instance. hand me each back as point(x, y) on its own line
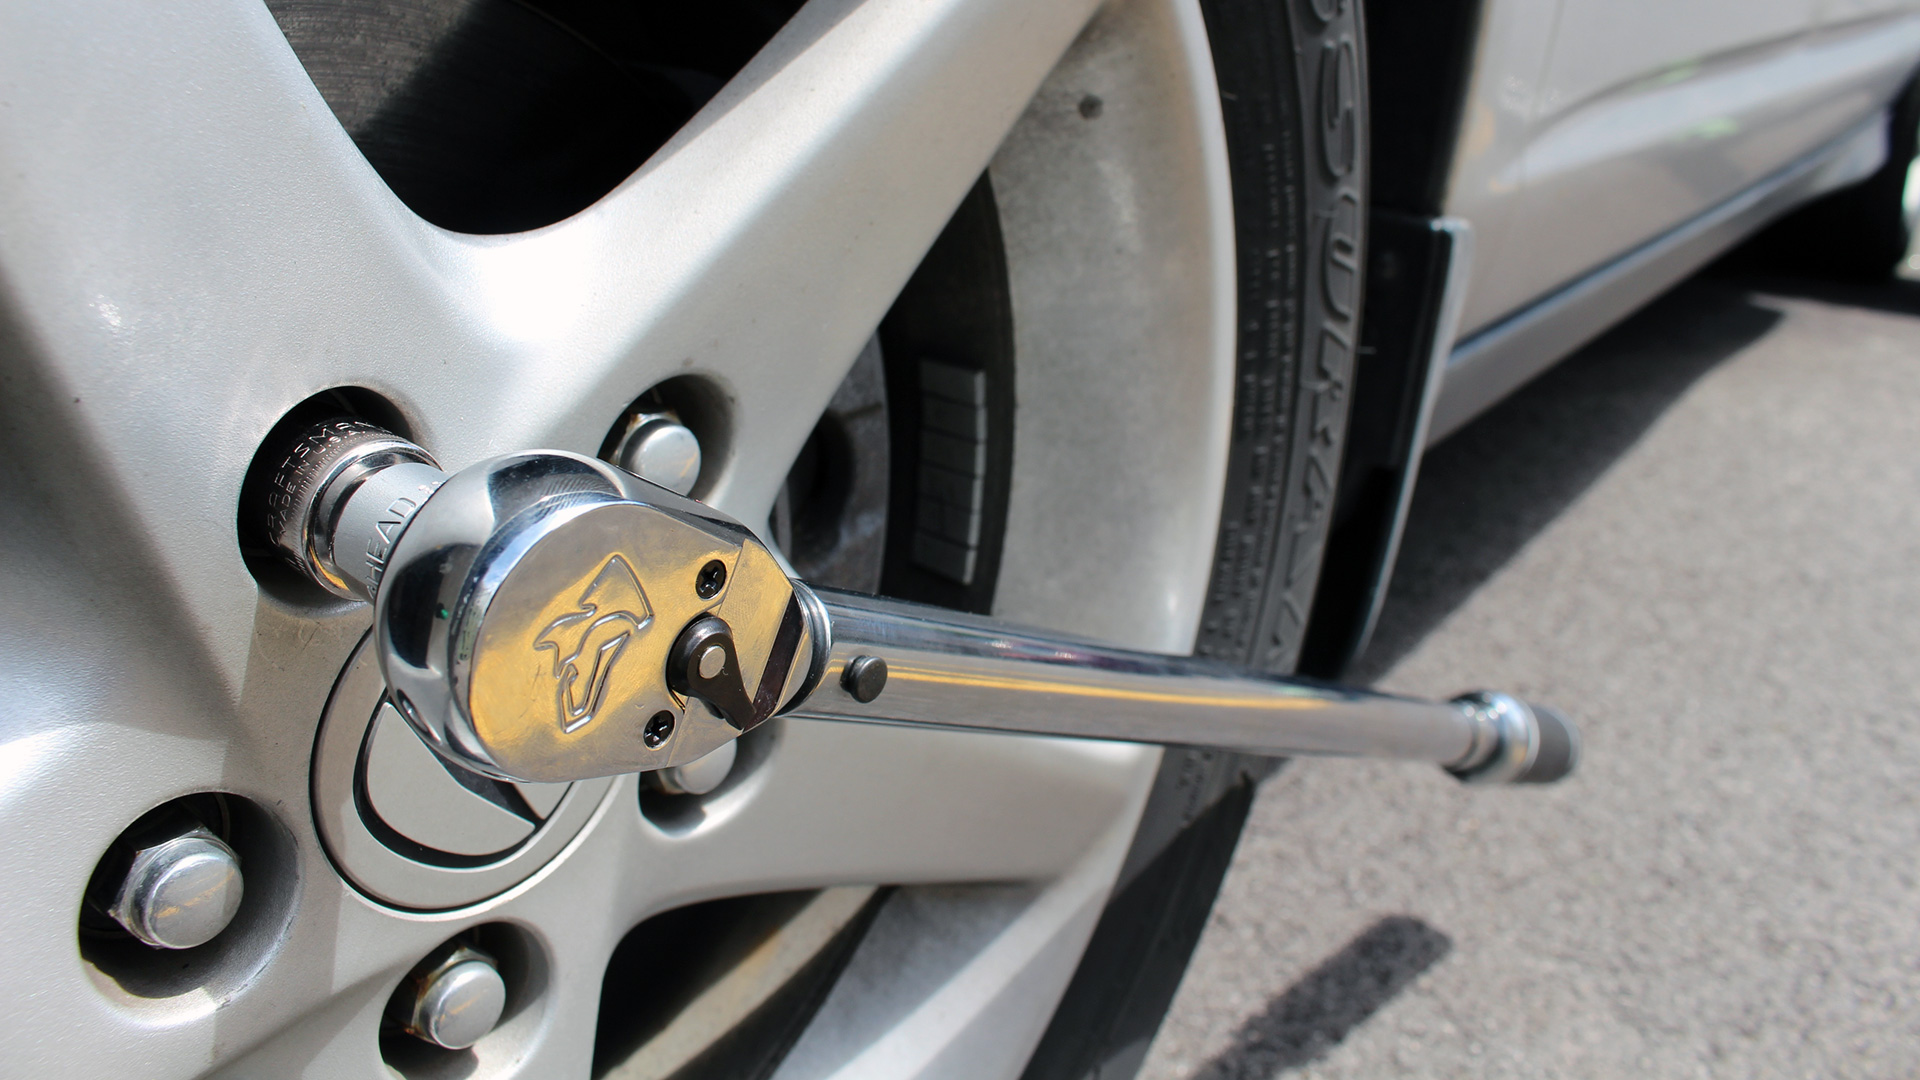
point(547, 617)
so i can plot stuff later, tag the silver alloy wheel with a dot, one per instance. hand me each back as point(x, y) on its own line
point(190, 245)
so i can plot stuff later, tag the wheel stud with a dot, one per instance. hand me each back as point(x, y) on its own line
point(453, 999)
point(659, 449)
point(179, 891)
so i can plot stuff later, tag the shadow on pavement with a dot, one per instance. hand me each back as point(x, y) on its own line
point(1491, 487)
point(1896, 296)
point(1313, 1015)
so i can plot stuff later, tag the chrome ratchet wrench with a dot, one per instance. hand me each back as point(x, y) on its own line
point(549, 617)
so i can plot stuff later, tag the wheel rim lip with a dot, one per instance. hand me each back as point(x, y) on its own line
point(1169, 459)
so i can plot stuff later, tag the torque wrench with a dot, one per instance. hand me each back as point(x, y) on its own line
point(547, 617)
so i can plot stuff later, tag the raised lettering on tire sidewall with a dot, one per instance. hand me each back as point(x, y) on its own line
point(1292, 76)
point(1300, 309)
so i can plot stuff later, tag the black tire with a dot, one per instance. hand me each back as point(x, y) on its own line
point(1292, 77)
point(1859, 233)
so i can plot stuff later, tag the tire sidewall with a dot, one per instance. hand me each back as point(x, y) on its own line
point(1292, 77)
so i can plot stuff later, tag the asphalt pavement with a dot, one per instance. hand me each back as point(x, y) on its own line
point(1701, 537)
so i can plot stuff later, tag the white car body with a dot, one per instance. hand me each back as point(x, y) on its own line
point(1595, 128)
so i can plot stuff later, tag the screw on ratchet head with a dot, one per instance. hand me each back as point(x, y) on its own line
point(534, 620)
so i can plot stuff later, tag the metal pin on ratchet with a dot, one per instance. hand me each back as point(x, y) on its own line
point(548, 617)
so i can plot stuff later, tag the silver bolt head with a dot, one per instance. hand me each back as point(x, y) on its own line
point(713, 659)
point(459, 1003)
point(181, 892)
point(699, 776)
point(661, 450)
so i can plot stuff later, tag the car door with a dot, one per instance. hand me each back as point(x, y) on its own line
point(1650, 112)
point(1488, 175)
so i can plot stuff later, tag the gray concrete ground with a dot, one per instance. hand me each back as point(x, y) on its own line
point(1701, 536)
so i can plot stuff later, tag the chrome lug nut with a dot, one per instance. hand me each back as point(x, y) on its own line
point(659, 449)
point(179, 892)
point(455, 1000)
point(700, 776)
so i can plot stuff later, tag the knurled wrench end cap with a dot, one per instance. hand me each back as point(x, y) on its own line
point(1559, 752)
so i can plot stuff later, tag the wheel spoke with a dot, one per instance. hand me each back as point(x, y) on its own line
point(189, 245)
point(763, 245)
point(850, 804)
point(185, 223)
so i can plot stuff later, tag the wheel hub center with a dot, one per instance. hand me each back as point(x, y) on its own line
point(533, 612)
point(412, 829)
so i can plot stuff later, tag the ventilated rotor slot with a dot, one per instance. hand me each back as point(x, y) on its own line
point(953, 470)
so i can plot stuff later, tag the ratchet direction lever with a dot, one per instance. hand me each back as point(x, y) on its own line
point(548, 617)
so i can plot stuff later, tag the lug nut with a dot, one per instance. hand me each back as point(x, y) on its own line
point(659, 449)
point(455, 1001)
point(179, 892)
point(699, 776)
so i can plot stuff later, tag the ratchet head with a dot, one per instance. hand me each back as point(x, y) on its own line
point(527, 611)
point(548, 617)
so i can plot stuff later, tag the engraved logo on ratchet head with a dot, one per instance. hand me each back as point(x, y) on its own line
point(588, 642)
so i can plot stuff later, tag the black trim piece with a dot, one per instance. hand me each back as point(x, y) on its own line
point(1407, 277)
point(1419, 55)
